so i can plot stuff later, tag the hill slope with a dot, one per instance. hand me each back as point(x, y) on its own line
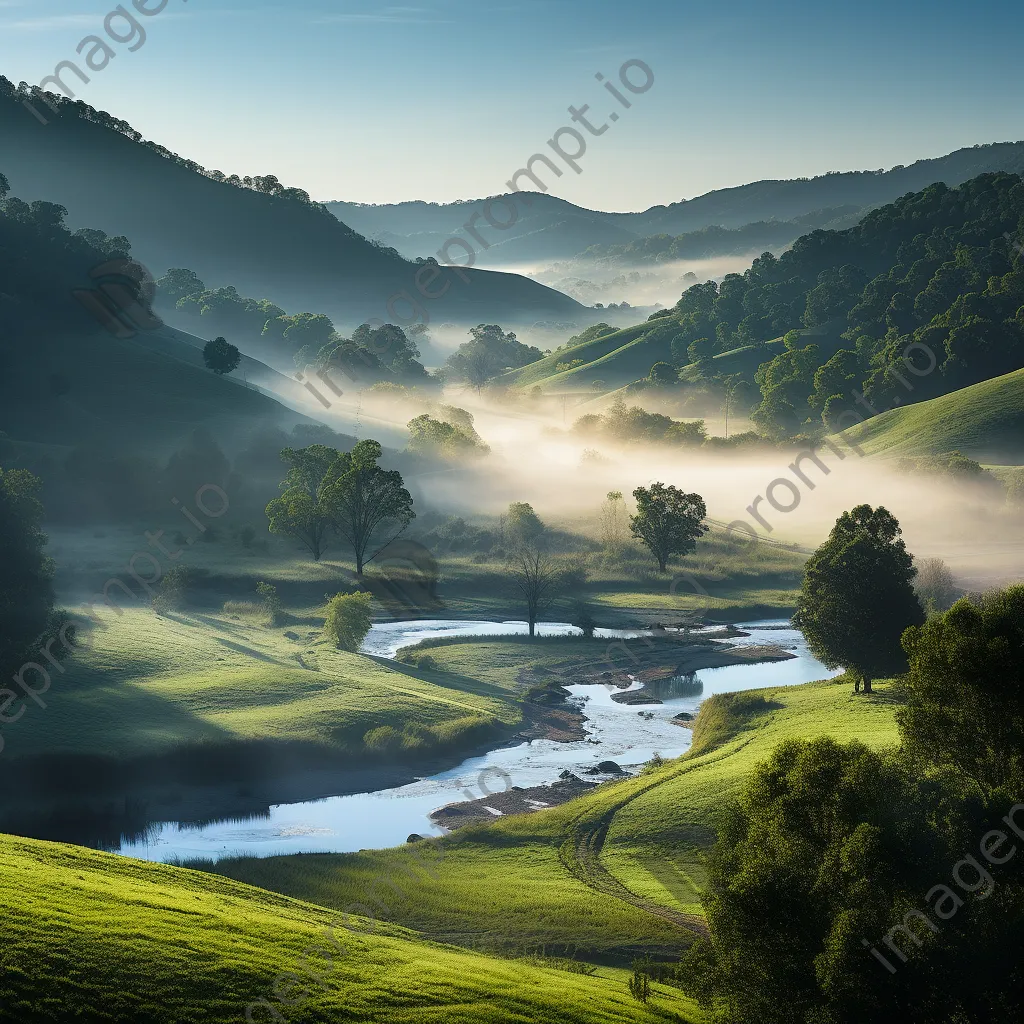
point(984, 421)
point(98, 937)
point(266, 246)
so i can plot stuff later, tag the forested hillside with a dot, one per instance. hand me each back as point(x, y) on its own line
point(252, 233)
point(933, 280)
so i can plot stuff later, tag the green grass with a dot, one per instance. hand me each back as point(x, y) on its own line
point(984, 421)
point(95, 937)
point(150, 684)
point(583, 876)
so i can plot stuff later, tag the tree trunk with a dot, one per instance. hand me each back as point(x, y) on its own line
point(856, 685)
point(359, 564)
point(662, 564)
point(533, 626)
point(867, 685)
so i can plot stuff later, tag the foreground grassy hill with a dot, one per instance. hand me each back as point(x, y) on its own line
point(984, 421)
point(95, 937)
point(607, 873)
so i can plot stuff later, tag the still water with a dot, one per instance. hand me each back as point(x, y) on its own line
point(630, 736)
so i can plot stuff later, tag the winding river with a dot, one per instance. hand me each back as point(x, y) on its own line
point(630, 736)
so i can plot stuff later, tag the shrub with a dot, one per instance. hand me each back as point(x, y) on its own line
point(271, 603)
point(348, 620)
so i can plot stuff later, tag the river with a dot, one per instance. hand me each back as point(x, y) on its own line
point(630, 736)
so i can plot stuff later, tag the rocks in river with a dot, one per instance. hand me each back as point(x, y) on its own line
point(683, 716)
point(568, 776)
point(415, 838)
point(635, 697)
point(606, 768)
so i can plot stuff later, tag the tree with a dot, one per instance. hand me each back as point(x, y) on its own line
point(524, 525)
point(663, 375)
point(348, 620)
point(539, 578)
point(613, 521)
point(936, 586)
point(490, 351)
point(221, 356)
point(367, 505)
point(301, 511)
point(177, 283)
point(828, 844)
point(668, 521)
point(583, 618)
point(858, 596)
point(27, 616)
point(965, 691)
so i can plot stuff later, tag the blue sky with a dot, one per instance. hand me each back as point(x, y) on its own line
point(445, 99)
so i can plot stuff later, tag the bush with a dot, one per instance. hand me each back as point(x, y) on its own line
point(271, 603)
point(348, 620)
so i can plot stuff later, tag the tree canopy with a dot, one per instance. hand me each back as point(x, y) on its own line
point(221, 356)
point(668, 521)
point(858, 596)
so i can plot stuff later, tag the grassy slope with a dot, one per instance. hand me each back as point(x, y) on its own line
point(148, 683)
point(103, 938)
point(542, 879)
point(543, 371)
point(984, 421)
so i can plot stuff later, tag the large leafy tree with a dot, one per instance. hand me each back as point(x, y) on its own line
point(489, 352)
point(965, 691)
point(301, 511)
point(668, 521)
point(858, 596)
point(827, 845)
point(367, 505)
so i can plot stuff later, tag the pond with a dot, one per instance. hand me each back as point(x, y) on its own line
point(630, 736)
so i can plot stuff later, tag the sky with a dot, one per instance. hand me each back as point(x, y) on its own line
point(445, 99)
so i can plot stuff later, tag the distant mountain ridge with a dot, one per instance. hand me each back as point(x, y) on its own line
point(550, 228)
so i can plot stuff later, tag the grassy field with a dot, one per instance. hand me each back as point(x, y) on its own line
point(149, 684)
point(984, 421)
point(83, 929)
point(605, 875)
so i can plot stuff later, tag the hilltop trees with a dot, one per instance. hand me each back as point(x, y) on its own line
point(668, 521)
point(858, 596)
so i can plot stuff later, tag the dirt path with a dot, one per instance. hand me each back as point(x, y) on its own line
point(580, 853)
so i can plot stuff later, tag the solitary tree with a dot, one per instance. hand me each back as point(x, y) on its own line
point(858, 596)
point(366, 505)
point(301, 511)
point(613, 521)
point(663, 375)
point(539, 578)
point(221, 356)
point(668, 521)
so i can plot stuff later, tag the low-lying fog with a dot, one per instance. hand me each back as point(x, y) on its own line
point(534, 457)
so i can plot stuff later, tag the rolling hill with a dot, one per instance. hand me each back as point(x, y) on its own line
point(267, 246)
point(123, 941)
point(984, 421)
